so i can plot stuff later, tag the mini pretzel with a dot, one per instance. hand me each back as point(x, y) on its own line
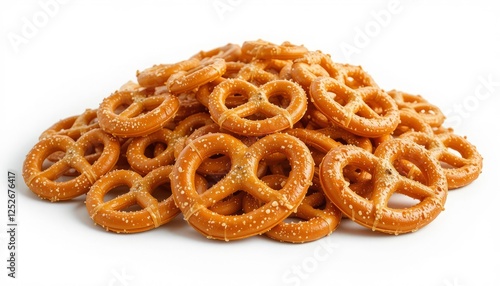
point(136, 152)
point(429, 112)
point(44, 181)
point(374, 212)
point(191, 79)
point(313, 65)
point(460, 170)
point(142, 115)
point(354, 109)
point(73, 126)
point(355, 77)
point(319, 217)
point(265, 50)
point(158, 75)
point(111, 214)
point(258, 101)
point(229, 52)
point(242, 177)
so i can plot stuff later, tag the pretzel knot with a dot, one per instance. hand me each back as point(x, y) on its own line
point(367, 111)
point(373, 210)
point(277, 204)
point(142, 114)
point(113, 215)
point(44, 181)
point(461, 167)
point(277, 117)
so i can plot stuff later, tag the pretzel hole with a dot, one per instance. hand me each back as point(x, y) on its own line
point(116, 192)
point(400, 201)
point(280, 100)
point(161, 193)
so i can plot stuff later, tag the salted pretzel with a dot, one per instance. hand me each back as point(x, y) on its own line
point(44, 182)
point(142, 191)
point(278, 118)
point(251, 50)
point(142, 163)
point(430, 113)
point(368, 112)
point(356, 77)
point(313, 65)
point(73, 126)
point(229, 52)
point(375, 212)
point(142, 115)
point(318, 216)
point(158, 75)
point(191, 79)
point(461, 168)
point(242, 177)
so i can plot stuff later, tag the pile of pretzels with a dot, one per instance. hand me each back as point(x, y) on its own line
point(251, 139)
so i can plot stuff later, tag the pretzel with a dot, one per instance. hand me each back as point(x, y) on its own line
point(318, 216)
point(158, 75)
point(44, 181)
point(461, 169)
point(113, 215)
point(73, 126)
point(189, 80)
point(242, 177)
point(229, 52)
point(136, 151)
point(258, 101)
point(352, 109)
point(142, 115)
point(260, 49)
point(313, 65)
point(374, 212)
point(355, 77)
point(430, 113)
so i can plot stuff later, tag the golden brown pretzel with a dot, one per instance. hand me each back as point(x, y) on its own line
point(242, 177)
point(460, 168)
point(260, 49)
point(229, 52)
point(142, 115)
point(158, 75)
point(113, 215)
point(44, 181)
point(73, 126)
point(205, 72)
point(375, 212)
point(429, 112)
point(318, 216)
point(368, 112)
point(278, 118)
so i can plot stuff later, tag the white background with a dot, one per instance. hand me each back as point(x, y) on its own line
point(77, 53)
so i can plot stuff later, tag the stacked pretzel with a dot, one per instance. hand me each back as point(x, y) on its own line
point(255, 139)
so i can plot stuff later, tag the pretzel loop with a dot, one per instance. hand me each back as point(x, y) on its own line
point(241, 177)
point(142, 115)
point(44, 182)
point(278, 118)
point(373, 209)
point(351, 108)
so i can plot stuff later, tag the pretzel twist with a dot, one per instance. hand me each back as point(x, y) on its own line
point(461, 167)
point(368, 112)
point(44, 181)
point(143, 114)
point(373, 211)
point(278, 118)
point(241, 177)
